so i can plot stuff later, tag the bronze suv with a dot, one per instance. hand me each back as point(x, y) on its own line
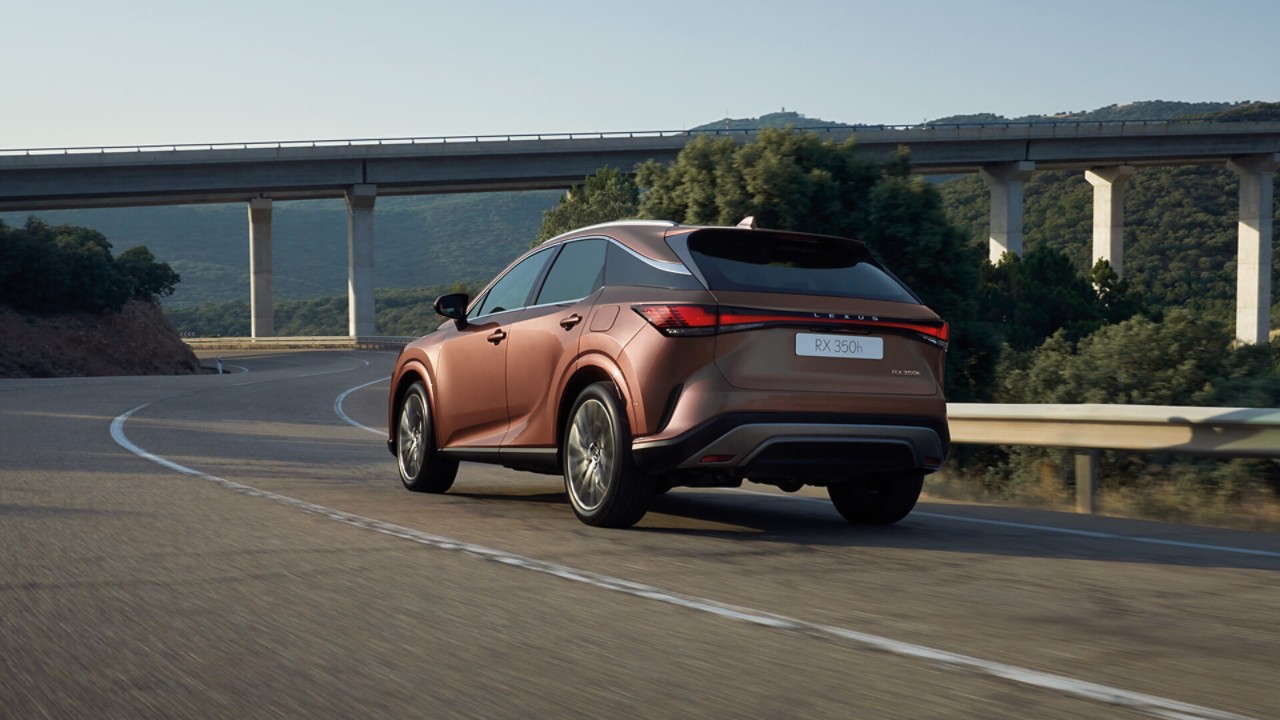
point(638, 356)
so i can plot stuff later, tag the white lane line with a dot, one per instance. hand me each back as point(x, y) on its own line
point(1046, 528)
point(337, 406)
point(1150, 704)
point(243, 369)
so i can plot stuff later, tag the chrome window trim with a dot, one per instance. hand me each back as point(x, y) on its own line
point(675, 268)
point(616, 223)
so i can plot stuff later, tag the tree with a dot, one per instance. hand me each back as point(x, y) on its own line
point(63, 268)
point(603, 197)
point(1032, 296)
point(1119, 301)
point(787, 179)
point(151, 280)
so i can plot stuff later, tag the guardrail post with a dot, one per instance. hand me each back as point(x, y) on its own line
point(1087, 465)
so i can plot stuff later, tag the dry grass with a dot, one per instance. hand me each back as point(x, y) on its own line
point(1173, 501)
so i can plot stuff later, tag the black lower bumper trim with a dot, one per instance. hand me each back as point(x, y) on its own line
point(671, 453)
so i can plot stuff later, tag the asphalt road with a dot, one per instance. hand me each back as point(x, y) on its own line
point(239, 546)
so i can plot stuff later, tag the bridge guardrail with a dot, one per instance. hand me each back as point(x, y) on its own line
point(621, 134)
point(1090, 428)
point(313, 342)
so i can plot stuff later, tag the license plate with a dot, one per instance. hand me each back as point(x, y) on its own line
point(857, 347)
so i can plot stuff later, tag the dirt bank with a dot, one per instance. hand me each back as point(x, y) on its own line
point(138, 340)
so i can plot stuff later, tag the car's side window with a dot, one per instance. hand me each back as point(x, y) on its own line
point(512, 291)
point(578, 271)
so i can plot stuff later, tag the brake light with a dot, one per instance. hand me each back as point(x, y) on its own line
point(939, 335)
point(681, 319)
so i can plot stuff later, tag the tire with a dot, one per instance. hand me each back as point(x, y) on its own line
point(422, 467)
point(879, 499)
point(603, 484)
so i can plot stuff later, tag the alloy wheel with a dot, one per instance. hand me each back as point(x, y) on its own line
point(410, 439)
point(591, 455)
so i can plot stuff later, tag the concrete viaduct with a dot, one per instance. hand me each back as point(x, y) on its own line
point(1005, 155)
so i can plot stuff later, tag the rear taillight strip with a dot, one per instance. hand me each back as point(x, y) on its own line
point(708, 320)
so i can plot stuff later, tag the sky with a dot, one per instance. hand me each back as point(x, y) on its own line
point(134, 72)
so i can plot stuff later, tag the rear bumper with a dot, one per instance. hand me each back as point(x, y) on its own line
point(808, 444)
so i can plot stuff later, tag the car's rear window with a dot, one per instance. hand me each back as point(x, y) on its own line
point(762, 261)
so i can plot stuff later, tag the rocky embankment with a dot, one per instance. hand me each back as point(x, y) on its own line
point(138, 340)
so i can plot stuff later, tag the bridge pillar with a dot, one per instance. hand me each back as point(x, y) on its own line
point(1108, 213)
point(1005, 181)
point(360, 200)
point(1253, 258)
point(261, 303)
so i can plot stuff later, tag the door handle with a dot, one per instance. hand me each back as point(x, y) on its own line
point(497, 336)
point(570, 321)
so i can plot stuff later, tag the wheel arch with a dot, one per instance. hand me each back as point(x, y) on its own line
point(412, 372)
point(587, 373)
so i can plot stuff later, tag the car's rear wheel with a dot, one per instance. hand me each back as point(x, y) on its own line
point(422, 467)
point(879, 499)
point(604, 486)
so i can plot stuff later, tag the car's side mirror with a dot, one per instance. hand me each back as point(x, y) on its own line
point(453, 306)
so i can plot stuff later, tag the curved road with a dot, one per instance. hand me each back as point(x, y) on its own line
point(239, 546)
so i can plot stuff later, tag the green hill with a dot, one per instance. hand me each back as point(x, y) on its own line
point(785, 118)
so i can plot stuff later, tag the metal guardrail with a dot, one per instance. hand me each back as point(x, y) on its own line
point(606, 135)
point(314, 342)
point(1089, 429)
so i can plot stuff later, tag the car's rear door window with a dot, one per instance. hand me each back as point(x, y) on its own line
point(762, 261)
point(577, 272)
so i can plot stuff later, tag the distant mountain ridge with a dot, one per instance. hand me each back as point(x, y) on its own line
point(1141, 110)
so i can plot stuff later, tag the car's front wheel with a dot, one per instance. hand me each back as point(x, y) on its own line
point(604, 486)
point(422, 467)
point(879, 499)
